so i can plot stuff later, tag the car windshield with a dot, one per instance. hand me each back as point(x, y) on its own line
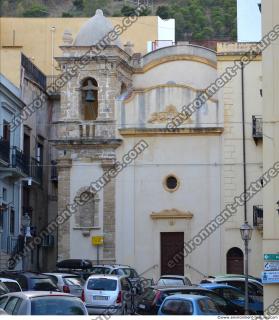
point(12, 286)
point(232, 294)
point(56, 305)
point(170, 282)
point(42, 284)
point(177, 307)
point(100, 270)
point(102, 284)
point(3, 289)
point(74, 281)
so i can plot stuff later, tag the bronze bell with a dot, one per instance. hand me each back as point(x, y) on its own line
point(90, 97)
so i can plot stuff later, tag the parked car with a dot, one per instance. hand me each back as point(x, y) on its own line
point(234, 275)
point(235, 295)
point(173, 280)
point(108, 294)
point(186, 304)
point(31, 281)
point(120, 270)
point(11, 284)
point(3, 289)
point(150, 301)
point(80, 267)
point(68, 283)
point(42, 303)
point(2, 312)
point(255, 287)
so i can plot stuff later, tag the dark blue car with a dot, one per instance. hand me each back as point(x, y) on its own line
point(234, 295)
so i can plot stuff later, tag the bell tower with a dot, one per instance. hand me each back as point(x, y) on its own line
point(95, 72)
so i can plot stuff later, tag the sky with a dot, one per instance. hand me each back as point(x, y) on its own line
point(248, 21)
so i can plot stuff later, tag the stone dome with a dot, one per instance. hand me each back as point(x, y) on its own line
point(94, 30)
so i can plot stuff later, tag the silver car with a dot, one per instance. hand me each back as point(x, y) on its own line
point(11, 284)
point(108, 294)
point(68, 283)
point(42, 303)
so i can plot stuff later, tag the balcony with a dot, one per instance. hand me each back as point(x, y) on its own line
point(257, 123)
point(36, 170)
point(4, 151)
point(30, 167)
point(258, 217)
point(20, 160)
point(83, 130)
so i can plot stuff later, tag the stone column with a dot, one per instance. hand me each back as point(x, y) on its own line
point(64, 170)
point(109, 216)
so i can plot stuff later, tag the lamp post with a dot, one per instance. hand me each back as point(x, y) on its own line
point(26, 222)
point(246, 234)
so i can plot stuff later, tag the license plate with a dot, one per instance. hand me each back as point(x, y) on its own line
point(141, 306)
point(100, 298)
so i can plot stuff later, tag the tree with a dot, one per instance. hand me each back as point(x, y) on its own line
point(163, 12)
point(66, 15)
point(78, 4)
point(36, 10)
point(127, 11)
point(90, 7)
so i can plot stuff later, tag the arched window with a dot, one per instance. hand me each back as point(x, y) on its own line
point(235, 261)
point(89, 99)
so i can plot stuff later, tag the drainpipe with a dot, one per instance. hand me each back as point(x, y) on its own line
point(243, 138)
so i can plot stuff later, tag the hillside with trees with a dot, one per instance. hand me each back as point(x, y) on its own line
point(195, 19)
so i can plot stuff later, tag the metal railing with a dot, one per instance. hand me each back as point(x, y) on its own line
point(13, 245)
point(33, 72)
point(36, 170)
point(257, 123)
point(20, 160)
point(4, 150)
point(157, 44)
point(258, 216)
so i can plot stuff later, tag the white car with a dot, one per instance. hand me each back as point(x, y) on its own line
point(108, 294)
point(173, 280)
point(11, 284)
point(67, 282)
point(42, 303)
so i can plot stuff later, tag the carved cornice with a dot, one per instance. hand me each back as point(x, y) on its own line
point(171, 214)
point(172, 58)
point(166, 116)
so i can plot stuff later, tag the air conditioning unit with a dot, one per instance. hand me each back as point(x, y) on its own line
point(48, 241)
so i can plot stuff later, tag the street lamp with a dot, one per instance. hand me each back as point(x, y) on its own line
point(246, 235)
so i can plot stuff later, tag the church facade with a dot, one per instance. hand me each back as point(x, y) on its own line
point(171, 188)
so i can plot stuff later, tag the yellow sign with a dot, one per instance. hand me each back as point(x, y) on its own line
point(97, 240)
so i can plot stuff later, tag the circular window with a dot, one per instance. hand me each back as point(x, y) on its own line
point(171, 183)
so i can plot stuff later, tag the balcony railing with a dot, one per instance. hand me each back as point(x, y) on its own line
point(258, 216)
point(36, 170)
point(13, 245)
point(4, 150)
point(257, 123)
point(87, 130)
point(20, 160)
point(29, 166)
